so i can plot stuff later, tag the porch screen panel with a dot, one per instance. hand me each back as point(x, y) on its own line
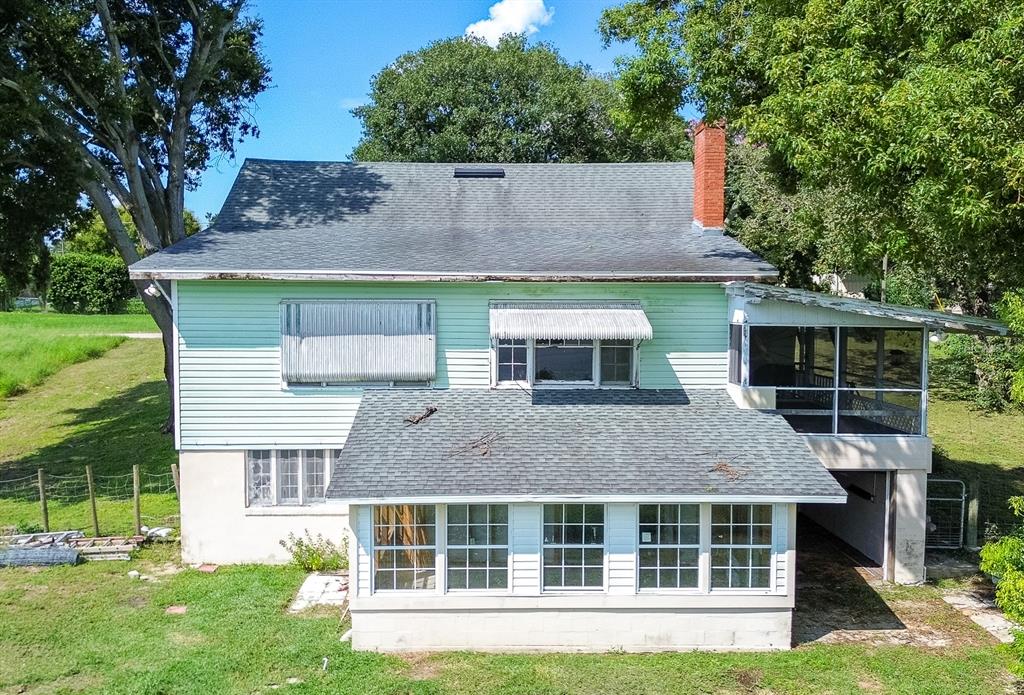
point(358, 341)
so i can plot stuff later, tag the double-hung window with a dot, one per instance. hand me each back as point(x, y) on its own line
point(553, 362)
point(477, 546)
point(741, 546)
point(404, 547)
point(287, 476)
point(573, 546)
point(669, 546)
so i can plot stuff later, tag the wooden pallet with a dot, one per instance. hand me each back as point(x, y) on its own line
point(107, 547)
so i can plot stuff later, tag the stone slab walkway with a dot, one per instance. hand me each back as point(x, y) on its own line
point(983, 611)
point(321, 590)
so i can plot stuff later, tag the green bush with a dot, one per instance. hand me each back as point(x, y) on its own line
point(1003, 559)
point(89, 283)
point(316, 553)
point(6, 295)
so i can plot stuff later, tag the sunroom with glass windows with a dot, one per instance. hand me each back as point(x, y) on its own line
point(507, 512)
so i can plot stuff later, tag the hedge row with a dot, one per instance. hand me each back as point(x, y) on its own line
point(89, 283)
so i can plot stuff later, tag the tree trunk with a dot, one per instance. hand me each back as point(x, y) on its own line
point(160, 310)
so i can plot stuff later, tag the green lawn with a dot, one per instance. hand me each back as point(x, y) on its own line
point(106, 412)
point(93, 629)
point(970, 445)
point(34, 345)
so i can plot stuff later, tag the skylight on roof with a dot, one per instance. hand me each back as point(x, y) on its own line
point(479, 173)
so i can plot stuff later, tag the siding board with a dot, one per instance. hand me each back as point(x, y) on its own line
point(230, 336)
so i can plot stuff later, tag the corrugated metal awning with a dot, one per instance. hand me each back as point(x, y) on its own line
point(349, 341)
point(570, 320)
point(934, 320)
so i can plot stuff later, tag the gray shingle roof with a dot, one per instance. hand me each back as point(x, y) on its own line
point(512, 443)
point(379, 218)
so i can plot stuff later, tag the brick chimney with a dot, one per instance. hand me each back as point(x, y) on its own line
point(709, 179)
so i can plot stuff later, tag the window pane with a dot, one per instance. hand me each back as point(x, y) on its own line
point(676, 537)
point(478, 540)
point(735, 353)
point(288, 463)
point(314, 475)
point(880, 357)
point(560, 360)
point(259, 476)
point(511, 360)
point(792, 356)
point(879, 412)
point(616, 362)
point(741, 551)
point(404, 536)
point(573, 546)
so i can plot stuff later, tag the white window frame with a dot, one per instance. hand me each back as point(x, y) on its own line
point(603, 547)
point(440, 571)
point(275, 482)
point(507, 547)
point(770, 546)
point(531, 380)
point(698, 546)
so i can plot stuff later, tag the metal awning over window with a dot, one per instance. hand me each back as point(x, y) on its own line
point(358, 341)
point(570, 321)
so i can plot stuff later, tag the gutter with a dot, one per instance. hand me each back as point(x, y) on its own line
point(632, 499)
point(399, 276)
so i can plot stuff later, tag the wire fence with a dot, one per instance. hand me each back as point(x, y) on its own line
point(107, 492)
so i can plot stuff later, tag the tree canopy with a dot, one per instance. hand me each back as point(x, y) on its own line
point(460, 100)
point(89, 233)
point(137, 96)
point(908, 109)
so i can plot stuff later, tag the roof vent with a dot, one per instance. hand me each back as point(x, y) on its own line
point(479, 173)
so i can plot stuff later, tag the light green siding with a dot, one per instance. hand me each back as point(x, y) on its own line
point(231, 395)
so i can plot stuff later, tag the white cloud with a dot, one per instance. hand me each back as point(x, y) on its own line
point(511, 17)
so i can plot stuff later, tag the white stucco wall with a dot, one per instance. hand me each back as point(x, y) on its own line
point(570, 629)
point(910, 526)
point(217, 527)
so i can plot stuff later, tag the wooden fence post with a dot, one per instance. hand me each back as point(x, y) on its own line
point(973, 509)
point(42, 500)
point(177, 480)
point(92, 501)
point(136, 492)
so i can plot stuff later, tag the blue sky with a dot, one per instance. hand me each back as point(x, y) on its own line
point(323, 53)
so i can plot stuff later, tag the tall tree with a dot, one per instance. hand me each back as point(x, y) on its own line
point(460, 100)
point(912, 106)
point(138, 95)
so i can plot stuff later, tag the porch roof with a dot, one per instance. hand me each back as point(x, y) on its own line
point(573, 444)
point(934, 320)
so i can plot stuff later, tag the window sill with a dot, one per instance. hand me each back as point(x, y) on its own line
point(326, 509)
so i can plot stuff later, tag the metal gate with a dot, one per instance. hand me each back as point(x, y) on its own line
point(946, 500)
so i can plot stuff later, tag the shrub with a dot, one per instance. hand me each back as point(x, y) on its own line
point(135, 305)
point(88, 283)
point(316, 553)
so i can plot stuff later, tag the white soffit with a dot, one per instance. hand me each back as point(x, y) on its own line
point(570, 321)
point(935, 320)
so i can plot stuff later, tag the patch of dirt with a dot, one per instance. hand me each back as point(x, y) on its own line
point(839, 600)
point(165, 569)
point(748, 678)
point(422, 665)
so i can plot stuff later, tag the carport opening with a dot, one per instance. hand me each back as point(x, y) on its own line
point(835, 588)
point(862, 523)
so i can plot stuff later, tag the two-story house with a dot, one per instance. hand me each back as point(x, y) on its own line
point(550, 406)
